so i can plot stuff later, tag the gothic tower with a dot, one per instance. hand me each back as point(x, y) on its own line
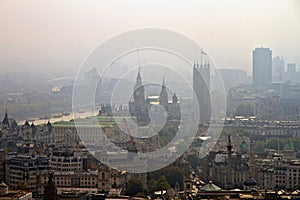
point(201, 86)
point(139, 94)
point(5, 119)
point(138, 107)
point(163, 97)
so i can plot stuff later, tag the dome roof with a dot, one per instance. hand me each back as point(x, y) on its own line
point(250, 182)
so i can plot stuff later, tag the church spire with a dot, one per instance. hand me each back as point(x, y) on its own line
point(175, 99)
point(139, 73)
point(138, 82)
point(163, 97)
point(139, 103)
point(5, 119)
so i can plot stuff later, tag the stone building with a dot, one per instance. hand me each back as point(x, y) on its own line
point(24, 170)
point(102, 180)
point(140, 106)
point(69, 160)
point(228, 169)
point(201, 86)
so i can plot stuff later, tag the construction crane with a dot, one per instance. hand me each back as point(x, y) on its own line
point(131, 148)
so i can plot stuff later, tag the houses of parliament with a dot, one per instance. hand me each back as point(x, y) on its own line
point(140, 105)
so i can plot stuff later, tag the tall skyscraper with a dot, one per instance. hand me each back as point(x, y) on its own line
point(262, 66)
point(201, 86)
point(291, 74)
point(278, 69)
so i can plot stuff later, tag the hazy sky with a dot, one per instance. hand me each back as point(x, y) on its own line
point(57, 35)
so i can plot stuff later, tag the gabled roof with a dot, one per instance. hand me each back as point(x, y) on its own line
point(210, 187)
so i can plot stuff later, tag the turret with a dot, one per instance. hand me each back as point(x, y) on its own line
point(175, 99)
point(163, 97)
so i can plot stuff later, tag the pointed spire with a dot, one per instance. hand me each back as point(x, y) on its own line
point(139, 71)
point(175, 99)
point(229, 145)
point(138, 82)
point(139, 59)
point(163, 97)
point(5, 119)
point(26, 123)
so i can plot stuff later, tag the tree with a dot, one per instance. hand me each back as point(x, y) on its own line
point(259, 147)
point(274, 143)
point(193, 160)
point(162, 184)
point(175, 176)
point(134, 187)
point(152, 184)
point(244, 109)
point(296, 143)
point(167, 133)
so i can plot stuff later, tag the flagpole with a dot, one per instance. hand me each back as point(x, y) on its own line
point(202, 52)
point(201, 59)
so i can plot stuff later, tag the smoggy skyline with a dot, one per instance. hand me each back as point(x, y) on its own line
point(56, 36)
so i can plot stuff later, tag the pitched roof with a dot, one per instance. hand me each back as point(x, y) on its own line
point(210, 187)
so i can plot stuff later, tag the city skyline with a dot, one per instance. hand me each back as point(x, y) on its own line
point(42, 41)
point(149, 99)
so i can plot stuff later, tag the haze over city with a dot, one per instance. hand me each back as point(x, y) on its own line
point(56, 36)
point(141, 100)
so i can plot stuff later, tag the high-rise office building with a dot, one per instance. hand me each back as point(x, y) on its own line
point(278, 69)
point(262, 66)
point(291, 74)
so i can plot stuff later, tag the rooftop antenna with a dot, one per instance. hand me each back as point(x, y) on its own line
point(202, 53)
point(139, 58)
